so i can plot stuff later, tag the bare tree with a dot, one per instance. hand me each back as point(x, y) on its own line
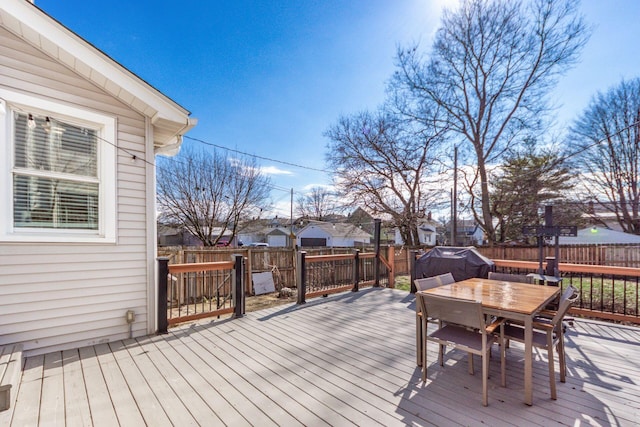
point(209, 193)
point(318, 203)
point(491, 66)
point(608, 137)
point(382, 166)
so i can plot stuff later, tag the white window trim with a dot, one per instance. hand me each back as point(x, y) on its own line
point(106, 232)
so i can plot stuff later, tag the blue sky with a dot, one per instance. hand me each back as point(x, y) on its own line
point(269, 77)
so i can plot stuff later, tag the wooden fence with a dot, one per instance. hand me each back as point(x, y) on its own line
point(611, 255)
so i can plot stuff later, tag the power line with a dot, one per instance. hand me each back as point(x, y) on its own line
point(256, 156)
point(136, 157)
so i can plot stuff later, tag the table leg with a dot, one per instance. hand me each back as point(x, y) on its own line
point(528, 361)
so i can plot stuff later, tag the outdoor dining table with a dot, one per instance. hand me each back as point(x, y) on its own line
point(511, 300)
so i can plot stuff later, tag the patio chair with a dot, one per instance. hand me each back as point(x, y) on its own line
point(422, 285)
point(510, 277)
point(547, 333)
point(462, 326)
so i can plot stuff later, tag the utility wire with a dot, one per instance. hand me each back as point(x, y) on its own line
point(256, 156)
point(137, 157)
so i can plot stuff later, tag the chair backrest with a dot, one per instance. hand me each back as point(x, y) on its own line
point(453, 310)
point(446, 279)
point(567, 299)
point(426, 283)
point(510, 277)
point(434, 281)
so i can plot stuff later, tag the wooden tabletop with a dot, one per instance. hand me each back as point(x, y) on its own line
point(499, 294)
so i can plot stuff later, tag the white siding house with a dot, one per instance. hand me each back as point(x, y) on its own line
point(78, 136)
point(319, 233)
point(279, 237)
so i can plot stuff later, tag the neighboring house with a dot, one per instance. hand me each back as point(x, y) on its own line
point(176, 236)
point(469, 233)
point(599, 236)
point(427, 233)
point(78, 133)
point(251, 233)
point(318, 233)
point(274, 231)
point(279, 237)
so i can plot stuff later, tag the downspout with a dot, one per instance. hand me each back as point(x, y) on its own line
point(152, 232)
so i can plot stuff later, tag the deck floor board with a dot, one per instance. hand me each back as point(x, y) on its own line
point(344, 360)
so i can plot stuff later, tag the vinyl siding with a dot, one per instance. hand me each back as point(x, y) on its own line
point(58, 296)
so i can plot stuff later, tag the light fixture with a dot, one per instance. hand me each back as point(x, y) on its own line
point(133, 158)
point(594, 229)
point(131, 317)
point(31, 123)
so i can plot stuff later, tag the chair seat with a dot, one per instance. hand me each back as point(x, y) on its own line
point(460, 337)
point(515, 332)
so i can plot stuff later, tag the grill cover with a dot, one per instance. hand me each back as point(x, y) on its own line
point(462, 263)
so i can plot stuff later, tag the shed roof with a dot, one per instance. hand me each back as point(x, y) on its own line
point(338, 229)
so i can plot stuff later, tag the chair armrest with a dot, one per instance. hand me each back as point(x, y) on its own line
point(547, 313)
point(543, 326)
point(494, 325)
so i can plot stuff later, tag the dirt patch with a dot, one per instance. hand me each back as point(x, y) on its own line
point(259, 302)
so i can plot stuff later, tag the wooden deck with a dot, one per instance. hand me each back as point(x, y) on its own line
point(348, 359)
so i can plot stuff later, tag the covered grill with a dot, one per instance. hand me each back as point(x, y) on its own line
point(463, 263)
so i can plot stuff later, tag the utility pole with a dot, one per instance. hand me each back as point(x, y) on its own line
point(291, 235)
point(454, 199)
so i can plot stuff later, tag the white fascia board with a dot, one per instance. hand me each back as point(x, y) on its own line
point(39, 29)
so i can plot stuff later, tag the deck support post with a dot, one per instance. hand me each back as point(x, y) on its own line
point(412, 270)
point(376, 262)
point(301, 280)
point(356, 270)
point(238, 285)
point(163, 277)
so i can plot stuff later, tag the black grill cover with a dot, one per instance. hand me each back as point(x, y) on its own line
point(463, 263)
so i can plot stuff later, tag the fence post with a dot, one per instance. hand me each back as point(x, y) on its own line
point(302, 277)
point(238, 285)
point(163, 276)
point(376, 262)
point(412, 270)
point(356, 270)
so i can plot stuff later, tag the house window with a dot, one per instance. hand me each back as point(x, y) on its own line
point(60, 171)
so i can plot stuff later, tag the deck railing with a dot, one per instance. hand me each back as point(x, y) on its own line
point(195, 291)
point(605, 292)
point(206, 289)
point(326, 274)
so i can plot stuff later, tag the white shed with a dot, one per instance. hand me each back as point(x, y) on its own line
point(318, 233)
point(78, 133)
